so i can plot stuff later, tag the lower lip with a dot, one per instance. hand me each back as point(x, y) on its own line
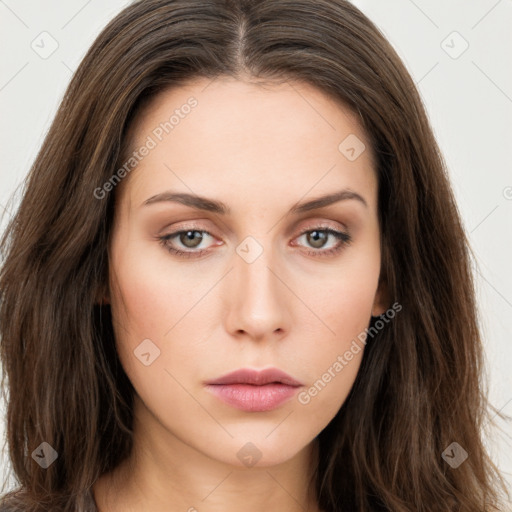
point(252, 398)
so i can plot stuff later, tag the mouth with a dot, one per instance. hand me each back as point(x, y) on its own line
point(254, 390)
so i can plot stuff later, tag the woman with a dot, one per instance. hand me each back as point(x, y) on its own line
point(238, 278)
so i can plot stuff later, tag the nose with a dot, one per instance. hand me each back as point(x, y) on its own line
point(257, 298)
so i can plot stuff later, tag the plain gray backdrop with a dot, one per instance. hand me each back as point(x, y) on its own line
point(458, 53)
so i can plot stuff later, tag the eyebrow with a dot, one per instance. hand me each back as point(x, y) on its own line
point(214, 206)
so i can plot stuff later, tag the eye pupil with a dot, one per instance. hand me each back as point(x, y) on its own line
point(190, 236)
point(318, 238)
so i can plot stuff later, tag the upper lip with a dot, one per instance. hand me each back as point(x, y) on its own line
point(256, 377)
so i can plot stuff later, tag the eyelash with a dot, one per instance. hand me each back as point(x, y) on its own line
point(344, 240)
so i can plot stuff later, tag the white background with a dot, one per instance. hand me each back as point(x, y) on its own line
point(468, 98)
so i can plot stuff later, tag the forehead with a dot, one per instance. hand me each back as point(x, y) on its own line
point(297, 110)
point(209, 136)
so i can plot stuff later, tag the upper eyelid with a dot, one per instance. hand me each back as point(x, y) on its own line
point(191, 224)
point(318, 225)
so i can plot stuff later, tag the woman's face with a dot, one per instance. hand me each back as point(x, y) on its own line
point(260, 282)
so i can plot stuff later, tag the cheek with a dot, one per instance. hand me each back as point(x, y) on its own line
point(323, 395)
point(149, 295)
point(333, 361)
point(335, 357)
point(153, 312)
point(347, 294)
point(137, 301)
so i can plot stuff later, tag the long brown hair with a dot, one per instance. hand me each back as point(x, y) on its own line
point(419, 387)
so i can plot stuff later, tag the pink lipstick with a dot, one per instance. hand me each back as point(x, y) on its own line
point(254, 390)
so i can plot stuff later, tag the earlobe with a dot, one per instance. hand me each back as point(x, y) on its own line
point(381, 303)
point(377, 311)
point(103, 297)
point(102, 301)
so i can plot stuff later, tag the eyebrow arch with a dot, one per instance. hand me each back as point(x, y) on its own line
point(214, 206)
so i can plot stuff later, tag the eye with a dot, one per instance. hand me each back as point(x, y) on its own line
point(317, 238)
point(191, 239)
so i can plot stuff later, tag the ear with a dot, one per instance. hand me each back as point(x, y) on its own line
point(381, 302)
point(103, 296)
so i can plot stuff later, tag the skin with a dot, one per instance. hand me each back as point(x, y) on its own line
point(259, 150)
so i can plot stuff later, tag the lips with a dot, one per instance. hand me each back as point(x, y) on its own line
point(257, 377)
point(254, 391)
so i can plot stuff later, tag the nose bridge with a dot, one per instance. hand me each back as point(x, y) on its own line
point(258, 302)
point(255, 258)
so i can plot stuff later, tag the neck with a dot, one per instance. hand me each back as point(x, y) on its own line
point(165, 474)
